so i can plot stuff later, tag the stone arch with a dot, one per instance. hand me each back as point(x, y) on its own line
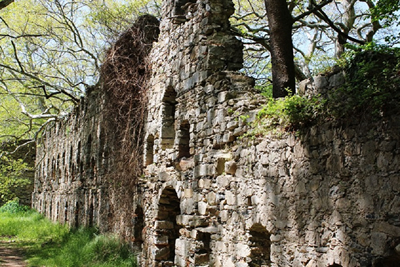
point(166, 227)
point(168, 118)
point(149, 157)
point(260, 246)
point(184, 140)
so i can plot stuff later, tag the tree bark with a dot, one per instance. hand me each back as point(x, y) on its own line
point(280, 24)
point(5, 3)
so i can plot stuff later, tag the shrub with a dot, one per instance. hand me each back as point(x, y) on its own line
point(13, 206)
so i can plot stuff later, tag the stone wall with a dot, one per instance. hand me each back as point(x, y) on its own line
point(208, 196)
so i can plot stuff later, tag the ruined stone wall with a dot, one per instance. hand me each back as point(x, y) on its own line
point(71, 162)
point(208, 196)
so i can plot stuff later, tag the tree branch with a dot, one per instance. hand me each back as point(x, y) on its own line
point(321, 14)
point(311, 10)
point(5, 3)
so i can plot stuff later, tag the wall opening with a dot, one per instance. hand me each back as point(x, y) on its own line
point(58, 212)
point(51, 210)
point(66, 212)
point(167, 230)
point(150, 150)
point(203, 250)
point(77, 214)
point(184, 140)
point(90, 215)
point(88, 151)
point(168, 118)
point(220, 166)
point(179, 7)
point(260, 246)
point(138, 225)
point(335, 265)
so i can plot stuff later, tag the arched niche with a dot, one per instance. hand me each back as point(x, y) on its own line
point(184, 140)
point(149, 156)
point(166, 227)
point(260, 246)
point(168, 118)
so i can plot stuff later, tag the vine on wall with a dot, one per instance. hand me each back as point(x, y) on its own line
point(124, 77)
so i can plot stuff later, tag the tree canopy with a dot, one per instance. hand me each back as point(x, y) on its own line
point(51, 51)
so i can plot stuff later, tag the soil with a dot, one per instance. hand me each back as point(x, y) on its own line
point(11, 257)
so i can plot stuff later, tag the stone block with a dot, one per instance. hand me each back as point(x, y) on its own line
point(162, 253)
point(161, 225)
point(161, 240)
point(320, 82)
point(231, 167)
point(191, 220)
point(211, 198)
point(230, 197)
point(378, 243)
point(202, 208)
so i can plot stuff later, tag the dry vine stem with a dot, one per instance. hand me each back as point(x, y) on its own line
point(124, 78)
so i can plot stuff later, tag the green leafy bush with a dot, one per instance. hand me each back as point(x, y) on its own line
point(292, 112)
point(13, 206)
point(372, 83)
point(12, 177)
point(371, 90)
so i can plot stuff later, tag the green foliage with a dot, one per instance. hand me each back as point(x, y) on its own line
point(386, 10)
point(12, 178)
point(373, 79)
point(51, 244)
point(291, 112)
point(13, 206)
point(266, 90)
point(371, 89)
point(85, 247)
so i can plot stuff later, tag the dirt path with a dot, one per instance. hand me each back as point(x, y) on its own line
point(11, 257)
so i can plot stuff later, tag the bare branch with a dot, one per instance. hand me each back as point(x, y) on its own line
point(5, 3)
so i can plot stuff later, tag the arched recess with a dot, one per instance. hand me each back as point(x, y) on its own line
point(168, 118)
point(149, 150)
point(335, 265)
point(167, 230)
point(260, 246)
point(184, 140)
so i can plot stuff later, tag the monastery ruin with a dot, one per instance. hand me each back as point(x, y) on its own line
point(207, 194)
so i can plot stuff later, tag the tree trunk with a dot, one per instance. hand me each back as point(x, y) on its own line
point(280, 24)
point(4, 3)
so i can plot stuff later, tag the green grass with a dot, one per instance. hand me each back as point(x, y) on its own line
point(49, 244)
